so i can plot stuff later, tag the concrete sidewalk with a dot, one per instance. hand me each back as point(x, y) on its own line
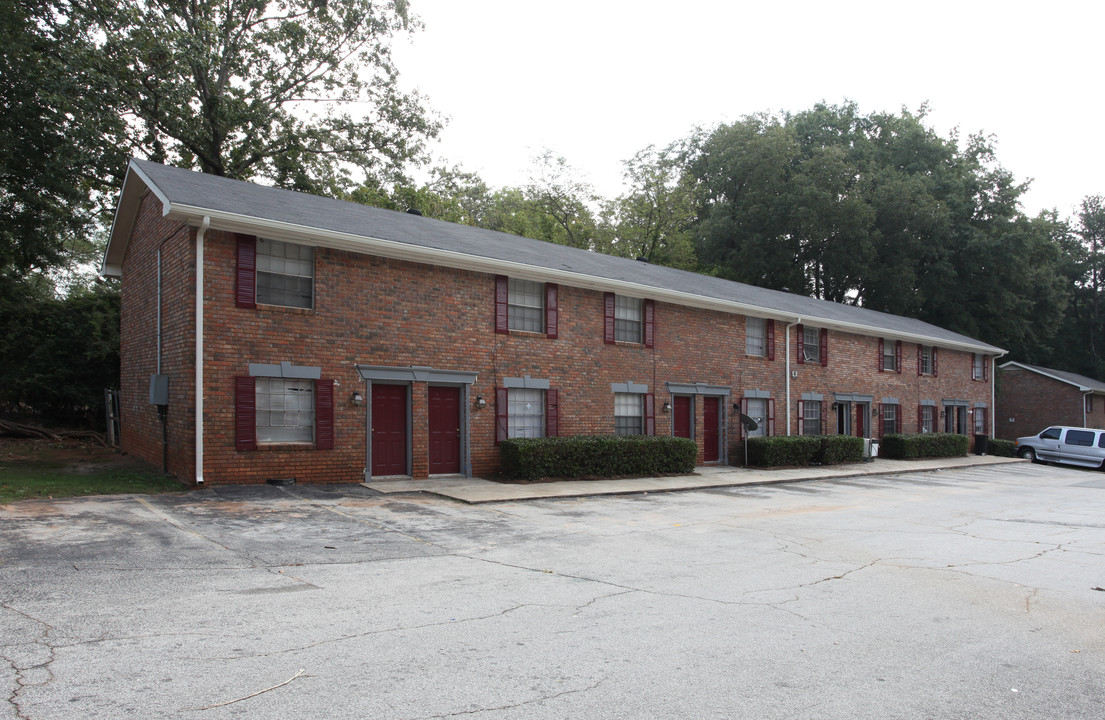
point(478, 490)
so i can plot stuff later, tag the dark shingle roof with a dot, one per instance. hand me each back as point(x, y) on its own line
point(217, 195)
point(1069, 377)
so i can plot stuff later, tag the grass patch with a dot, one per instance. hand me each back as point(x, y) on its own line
point(37, 469)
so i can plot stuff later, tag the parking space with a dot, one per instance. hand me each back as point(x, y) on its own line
point(961, 593)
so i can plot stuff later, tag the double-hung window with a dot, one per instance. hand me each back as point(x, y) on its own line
point(980, 421)
point(926, 418)
point(283, 404)
point(811, 417)
point(926, 360)
point(978, 367)
point(811, 345)
point(890, 355)
point(526, 305)
point(526, 413)
point(889, 419)
point(629, 414)
point(285, 274)
point(755, 337)
point(285, 410)
point(628, 322)
point(756, 408)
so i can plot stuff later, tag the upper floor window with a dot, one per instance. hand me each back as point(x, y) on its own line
point(526, 305)
point(890, 354)
point(926, 360)
point(811, 345)
point(755, 336)
point(285, 274)
point(628, 320)
point(978, 367)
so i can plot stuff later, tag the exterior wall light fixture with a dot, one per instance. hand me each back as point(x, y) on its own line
point(480, 402)
point(666, 407)
point(357, 399)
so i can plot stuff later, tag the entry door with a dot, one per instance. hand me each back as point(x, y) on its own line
point(844, 418)
point(711, 420)
point(682, 417)
point(389, 430)
point(444, 430)
point(861, 420)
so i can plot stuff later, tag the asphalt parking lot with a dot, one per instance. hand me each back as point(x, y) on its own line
point(972, 593)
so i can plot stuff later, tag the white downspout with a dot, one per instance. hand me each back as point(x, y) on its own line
point(994, 395)
point(797, 321)
point(206, 223)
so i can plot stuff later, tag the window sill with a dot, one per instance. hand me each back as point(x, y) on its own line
point(527, 334)
point(287, 308)
point(284, 446)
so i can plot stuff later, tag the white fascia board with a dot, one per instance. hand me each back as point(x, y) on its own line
point(126, 211)
point(1081, 388)
point(288, 232)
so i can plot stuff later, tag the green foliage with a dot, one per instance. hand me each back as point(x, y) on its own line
point(787, 450)
point(584, 456)
point(1001, 448)
point(923, 445)
point(52, 471)
point(837, 449)
point(57, 355)
point(295, 91)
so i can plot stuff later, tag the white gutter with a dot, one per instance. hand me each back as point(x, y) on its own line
point(797, 321)
point(204, 224)
point(303, 235)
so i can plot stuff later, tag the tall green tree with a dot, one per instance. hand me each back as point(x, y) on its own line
point(653, 220)
point(295, 92)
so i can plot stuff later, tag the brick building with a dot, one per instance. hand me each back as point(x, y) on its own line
point(1030, 398)
point(336, 342)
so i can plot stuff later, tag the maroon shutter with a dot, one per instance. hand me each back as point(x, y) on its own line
point(552, 413)
point(824, 347)
point(502, 296)
point(769, 338)
point(882, 365)
point(502, 402)
point(650, 414)
point(985, 367)
point(801, 345)
point(801, 417)
point(770, 417)
point(920, 359)
point(552, 310)
point(898, 356)
point(245, 414)
point(935, 367)
point(650, 317)
point(245, 290)
point(324, 414)
point(608, 314)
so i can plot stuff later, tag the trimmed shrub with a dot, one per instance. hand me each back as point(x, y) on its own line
point(804, 450)
point(840, 449)
point(923, 445)
point(783, 450)
point(1002, 448)
point(583, 456)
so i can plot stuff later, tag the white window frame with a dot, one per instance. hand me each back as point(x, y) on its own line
point(926, 359)
point(811, 352)
point(814, 416)
point(525, 305)
point(629, 314)
point(978, 421)
point(525, 416)
point(629, 414)
point(928, 424)
point(755, 337)
point(285, 410)
point(889, 355)
point(285, 274)
point(890, 414)
point(757, 410)
point(977, 366)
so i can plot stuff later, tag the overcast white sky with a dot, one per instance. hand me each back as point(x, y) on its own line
point(597, 80)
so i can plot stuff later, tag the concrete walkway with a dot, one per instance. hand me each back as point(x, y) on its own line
point(478, 490)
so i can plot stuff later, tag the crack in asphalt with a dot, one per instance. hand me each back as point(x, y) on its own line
point(511, 706)
point(23, 671)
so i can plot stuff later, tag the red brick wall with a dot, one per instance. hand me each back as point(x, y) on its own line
point(376, 311)
point(1029, 402)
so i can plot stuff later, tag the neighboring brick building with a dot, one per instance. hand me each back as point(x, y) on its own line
point(339, 342)
point(1030, 398)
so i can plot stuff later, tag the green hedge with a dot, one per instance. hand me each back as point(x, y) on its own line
point(1002, 448)
point(923, 445)
point(596, 456)
point(804, 450)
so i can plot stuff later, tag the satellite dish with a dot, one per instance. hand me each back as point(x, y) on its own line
point(749, 423)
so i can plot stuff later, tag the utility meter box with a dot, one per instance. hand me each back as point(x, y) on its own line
point(159, 389)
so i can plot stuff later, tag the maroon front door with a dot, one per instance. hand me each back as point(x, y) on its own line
point(389, 430)
point(681, 416)
point(861, 419)
point(711, 421)
point(444, 430)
